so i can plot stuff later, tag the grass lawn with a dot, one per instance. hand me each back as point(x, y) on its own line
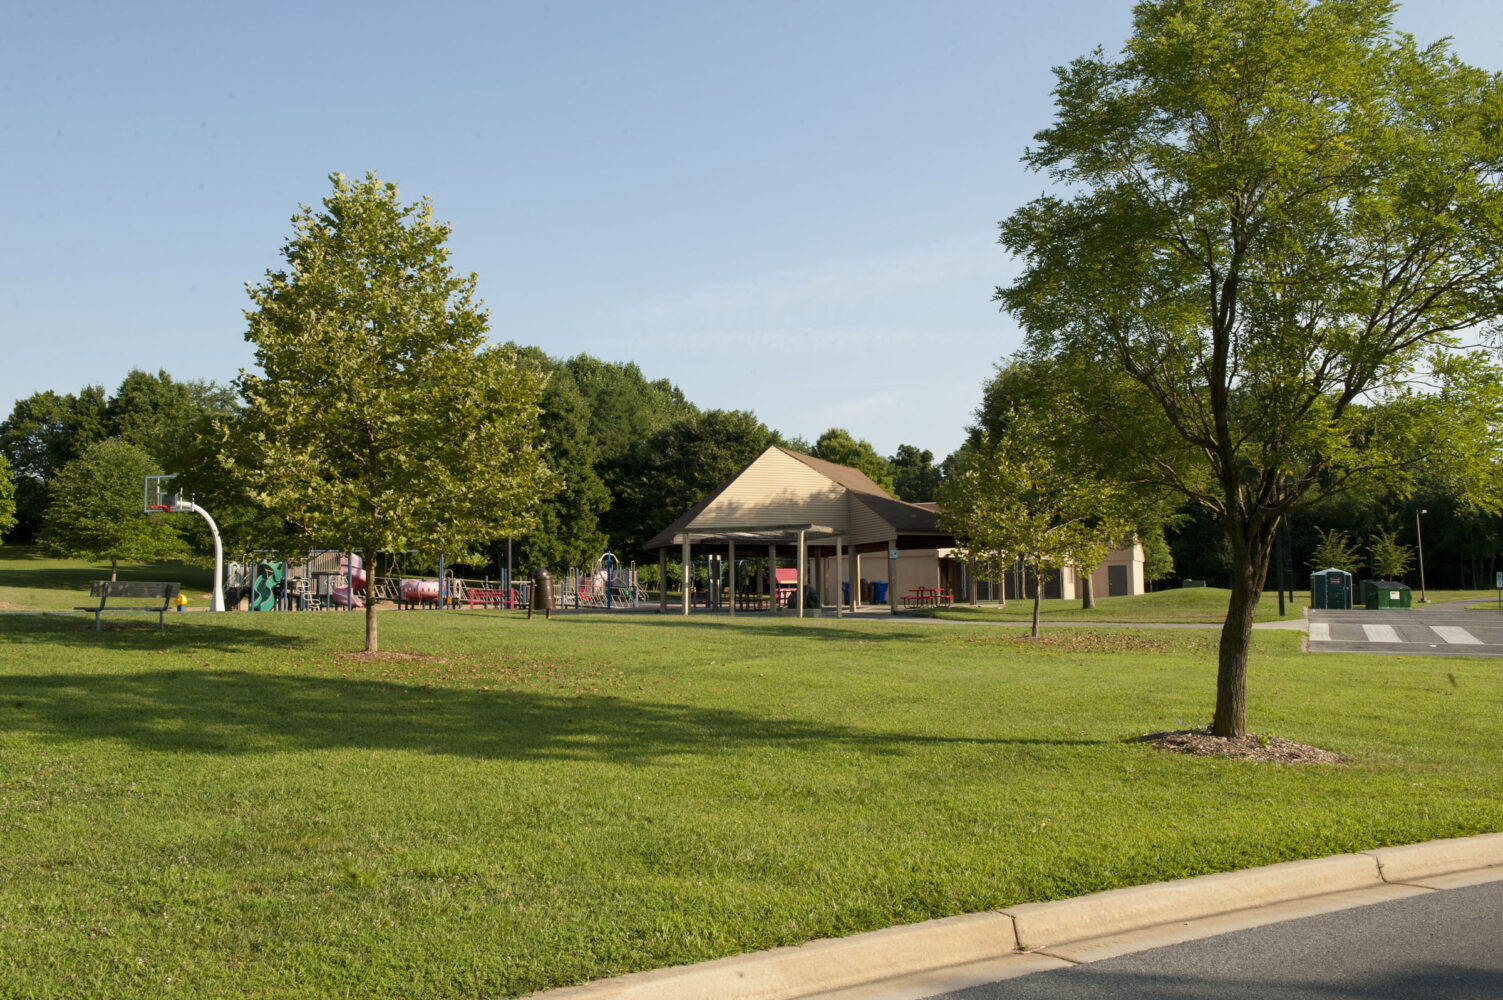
point(243, 807)
point(30, 581)
point(1190, 605)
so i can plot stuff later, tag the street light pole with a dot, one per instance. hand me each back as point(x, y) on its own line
point(1420, 540)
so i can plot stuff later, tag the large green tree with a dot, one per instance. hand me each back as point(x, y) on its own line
point(96, 509)
point(915, 477)
point(567, 530)
point(839, 446)
point(1277, 213)
point(380, 419)
point(7, 498)
point(1013, 497)
point(673, 469)
point(44, 432)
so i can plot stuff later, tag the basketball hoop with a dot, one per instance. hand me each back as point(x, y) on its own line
point(157, 499)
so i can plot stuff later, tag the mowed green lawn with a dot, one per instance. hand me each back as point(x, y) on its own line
point(242, 807)
point(30, 581)
point(1188, 605)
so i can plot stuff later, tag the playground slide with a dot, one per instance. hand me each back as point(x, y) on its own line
point(352, 567)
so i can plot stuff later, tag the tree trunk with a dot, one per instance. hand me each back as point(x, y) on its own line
point(1087, 595)
point(1251, 546)
point(114, 562)
point(370, 605)
point(1038, 597)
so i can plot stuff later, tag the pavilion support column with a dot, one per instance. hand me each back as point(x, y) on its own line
point(839, 565)
point(732, 560)
point(855, 578)
point(662, 581)
point(892, 576)
point(686, 578)
point(802, 558)
point(772, 578)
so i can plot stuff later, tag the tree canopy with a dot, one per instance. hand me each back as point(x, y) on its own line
point(1280, 218)
point(915, 477)
point(838, 446)
point(96, 509)
point(380, 419)
point(673, 469)
point(7, 498)
point(1013, 498)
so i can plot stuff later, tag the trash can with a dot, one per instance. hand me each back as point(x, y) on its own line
point(1331, 589)
point(1381, 594)
point(845, 592)
point(542, 594)
point(879, 591)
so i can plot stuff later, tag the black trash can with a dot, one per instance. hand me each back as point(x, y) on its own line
point(542, 594)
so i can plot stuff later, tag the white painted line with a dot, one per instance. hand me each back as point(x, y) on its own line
point(1381, 633)
point(1457, 635)
point(1320, 632)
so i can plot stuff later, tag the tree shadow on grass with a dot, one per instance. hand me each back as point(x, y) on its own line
point(238, 712)
point(845, 630)
point(139, 632)
point(23, 567)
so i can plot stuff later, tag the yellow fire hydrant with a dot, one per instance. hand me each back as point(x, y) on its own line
point(180, 600)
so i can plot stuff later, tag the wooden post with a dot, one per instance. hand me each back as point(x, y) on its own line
point(855, 578)
point(687, 576)
point(772, 577)
point(839, 558)
point(662, 581)
point(892, 576)
point(801, 558)
point(732, 561)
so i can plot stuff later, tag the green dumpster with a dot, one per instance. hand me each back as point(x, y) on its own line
point(1380, 594)
point(1331, 588)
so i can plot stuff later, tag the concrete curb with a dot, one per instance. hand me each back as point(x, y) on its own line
point(1438, 857)
point(1116, 910)
point(830, 965)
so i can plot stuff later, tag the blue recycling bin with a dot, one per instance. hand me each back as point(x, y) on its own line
point(879, 591)
point(845, 592)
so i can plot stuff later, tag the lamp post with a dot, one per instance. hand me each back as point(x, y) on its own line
point(1420, 540)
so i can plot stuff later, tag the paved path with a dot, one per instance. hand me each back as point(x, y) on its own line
point(1444, 944)
point(1436, 630)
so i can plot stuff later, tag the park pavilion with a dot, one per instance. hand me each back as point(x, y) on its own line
point(815, 526)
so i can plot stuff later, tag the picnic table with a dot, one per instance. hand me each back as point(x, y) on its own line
point(927, 597)
point(493, 597)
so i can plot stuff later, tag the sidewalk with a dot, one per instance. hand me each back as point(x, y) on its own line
point(921, 960)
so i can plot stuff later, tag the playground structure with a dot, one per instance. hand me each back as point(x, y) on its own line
point(334, 580)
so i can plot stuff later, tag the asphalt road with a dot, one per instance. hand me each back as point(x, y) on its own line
point(1437, 630)
point(1442, 944)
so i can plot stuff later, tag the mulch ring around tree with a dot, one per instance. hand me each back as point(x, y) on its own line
point(1253, 746)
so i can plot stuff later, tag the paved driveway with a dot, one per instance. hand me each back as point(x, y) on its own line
point(1435, 630)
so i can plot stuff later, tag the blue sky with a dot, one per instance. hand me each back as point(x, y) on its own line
point(788, 208)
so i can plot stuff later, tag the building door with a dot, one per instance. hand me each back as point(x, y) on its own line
point(1116, 581)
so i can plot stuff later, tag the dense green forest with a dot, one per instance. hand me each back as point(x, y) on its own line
point(630, 454)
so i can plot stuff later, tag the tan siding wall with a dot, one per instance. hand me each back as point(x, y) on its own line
point(775, 489)
point(866, 526)
point(1131, 557)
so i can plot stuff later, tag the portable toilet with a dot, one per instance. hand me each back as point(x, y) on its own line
point(1380, 594)
point(1331, 588)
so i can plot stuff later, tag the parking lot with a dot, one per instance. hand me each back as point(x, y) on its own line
point(1434, 630)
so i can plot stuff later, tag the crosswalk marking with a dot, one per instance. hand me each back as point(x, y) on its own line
point(1457, 635)
point(1320, 632)
point(1381, 633)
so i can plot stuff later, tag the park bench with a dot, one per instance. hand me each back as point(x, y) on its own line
point(161, 596)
